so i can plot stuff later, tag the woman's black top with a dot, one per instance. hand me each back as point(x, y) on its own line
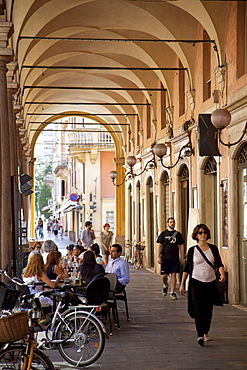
point(49, 272)
point(87, 274)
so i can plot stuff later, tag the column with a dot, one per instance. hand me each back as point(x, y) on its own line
point(12, 88)
point(31, 218)
point(5, 198)
point(120, 202)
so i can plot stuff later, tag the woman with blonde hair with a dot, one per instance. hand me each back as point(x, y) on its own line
point(34, 275)
point(53, 268)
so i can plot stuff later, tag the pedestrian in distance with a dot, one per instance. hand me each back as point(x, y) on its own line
point(202, 260)
point(88, 236)
point(169, 243)
point(56, 228)
point(106, 237)
point(61, 231)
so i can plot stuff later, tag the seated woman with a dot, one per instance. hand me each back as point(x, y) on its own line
point(98, 257)
point(53, 267)
point(89, 268)
point(34, 274)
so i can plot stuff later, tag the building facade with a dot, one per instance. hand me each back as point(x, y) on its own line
point(150, 73)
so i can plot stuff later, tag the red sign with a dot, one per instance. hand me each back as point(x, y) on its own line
point(74, 197)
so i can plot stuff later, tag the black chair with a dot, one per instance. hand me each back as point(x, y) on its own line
point(97, 291)
point(122, 296)
point(112, 299)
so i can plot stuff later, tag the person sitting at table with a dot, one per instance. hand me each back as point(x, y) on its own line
point(53, 267)
point(89, 268)
point(98, 257)
point(48, 246)
point(78, 252)
point(118, 266)
point(69, 254)
point(34, 275)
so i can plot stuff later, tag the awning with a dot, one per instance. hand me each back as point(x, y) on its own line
point(50, 207)
point(67, 206)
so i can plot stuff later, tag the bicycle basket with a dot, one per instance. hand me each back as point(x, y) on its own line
point(8, 297)
point(13, 327)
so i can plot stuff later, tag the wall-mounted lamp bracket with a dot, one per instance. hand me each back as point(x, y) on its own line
point(131, 161)
point(186, 151)
point(221, 118)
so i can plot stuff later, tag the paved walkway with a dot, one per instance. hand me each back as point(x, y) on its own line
point(160, 335)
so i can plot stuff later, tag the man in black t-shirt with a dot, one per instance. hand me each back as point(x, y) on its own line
point(169, 243)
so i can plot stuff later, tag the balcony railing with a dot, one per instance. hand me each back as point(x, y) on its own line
point(91, 139)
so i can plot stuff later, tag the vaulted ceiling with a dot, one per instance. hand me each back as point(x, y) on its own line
point(50, 35)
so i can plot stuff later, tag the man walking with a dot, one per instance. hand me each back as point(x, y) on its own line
point(87, 236)
point(169, 243)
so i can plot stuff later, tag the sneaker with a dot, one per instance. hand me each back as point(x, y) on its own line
point(207, 339)
point(173, 296)
point(164, 291)
point(200, 341)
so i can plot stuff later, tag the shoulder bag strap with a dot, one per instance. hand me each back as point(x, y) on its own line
point(205, 257)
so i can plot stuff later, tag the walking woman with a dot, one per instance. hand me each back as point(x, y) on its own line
point(106, 241)
point(202, 260)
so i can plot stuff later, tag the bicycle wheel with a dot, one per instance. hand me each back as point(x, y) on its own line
point(66, 328)
point(11, 358)
point(87, 342)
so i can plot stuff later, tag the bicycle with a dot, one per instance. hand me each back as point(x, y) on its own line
point(78, 334)
point(138, 255)
point(24, 355)
point(128, 251)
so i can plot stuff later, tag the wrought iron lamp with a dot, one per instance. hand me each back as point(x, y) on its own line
point(131, 161)
point(161, 149)
point(221, 118)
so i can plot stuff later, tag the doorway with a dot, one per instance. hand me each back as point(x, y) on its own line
point(242, 206)
point(184, 186)
point(150, 219)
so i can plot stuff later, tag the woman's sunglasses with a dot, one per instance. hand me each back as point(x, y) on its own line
point(202, 232)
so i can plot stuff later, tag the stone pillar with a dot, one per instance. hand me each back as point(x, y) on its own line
point(11, 90)
point(31, 218)
point(15, 195)
point(5, 206)
point(120, 202)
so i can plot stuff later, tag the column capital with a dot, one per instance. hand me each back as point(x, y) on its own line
point(17, 108)
point(12, 67)
point(6, 30)
point(6, 55)
point(12, 88)
point(19, 122)
point(31, 160)
point(119, 161)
